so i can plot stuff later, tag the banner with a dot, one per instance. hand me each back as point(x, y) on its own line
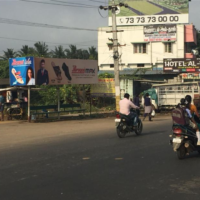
point(21, 71)
point(144, 12)
point(190, 76)
point(179, 65)
point(159, 33)
point(56, 71)
point(104, 88)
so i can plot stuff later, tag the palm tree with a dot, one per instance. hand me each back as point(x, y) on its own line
point(72, 52)
point(10, 53)
point(26, 51)
point(82, 54)
point(41, 49)
point(93, 53)
point(59, 52)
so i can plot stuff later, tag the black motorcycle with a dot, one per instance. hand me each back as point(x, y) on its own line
point(124, 125)
point(183, 140)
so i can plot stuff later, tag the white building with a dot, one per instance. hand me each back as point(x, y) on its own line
point(136, 53)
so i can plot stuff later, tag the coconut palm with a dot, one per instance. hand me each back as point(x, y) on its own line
point(93, 53)
point(59, 52)
point(26, 51)
point(41, 49)
point(10, 53)
point(72, 52)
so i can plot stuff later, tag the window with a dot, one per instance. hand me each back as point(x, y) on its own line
point(140, 48)
point(140, 65)
point(111, 65)
point(168, 47)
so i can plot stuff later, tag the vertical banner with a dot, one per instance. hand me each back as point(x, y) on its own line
point(21, 71)
point(58, 71)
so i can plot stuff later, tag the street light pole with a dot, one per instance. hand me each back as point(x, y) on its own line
point(113, 9)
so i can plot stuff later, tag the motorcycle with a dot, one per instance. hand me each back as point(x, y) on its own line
point(124, 125)
point(183, 140)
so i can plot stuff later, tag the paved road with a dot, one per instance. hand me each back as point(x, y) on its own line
point(85, 160)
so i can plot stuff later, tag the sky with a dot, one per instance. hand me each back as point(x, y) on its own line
point(15, 36)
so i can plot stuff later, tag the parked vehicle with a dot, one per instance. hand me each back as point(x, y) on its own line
point(124, 125)
point(183, 140)
point(167, 96)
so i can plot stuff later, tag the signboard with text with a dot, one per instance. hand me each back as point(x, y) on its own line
point(21, 71)
point(104, 88)
point(60, 71)
point(144, 12)
point(181, 65)
point(190, 75)
point(153, 33)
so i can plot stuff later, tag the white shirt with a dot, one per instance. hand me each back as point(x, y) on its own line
point(125, 105)
point(31, 82)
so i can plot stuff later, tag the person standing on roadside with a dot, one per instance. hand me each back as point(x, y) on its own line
point(2, 106)
point(147, 107)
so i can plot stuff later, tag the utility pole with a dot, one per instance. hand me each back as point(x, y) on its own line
point(113, 9)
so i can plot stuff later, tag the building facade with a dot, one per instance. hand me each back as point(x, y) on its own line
point(135, 52)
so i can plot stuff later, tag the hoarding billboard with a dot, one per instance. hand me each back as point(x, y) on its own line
point(153, 33)
point(56, 71)
point(181, 65)
point(21, 71)
point(104, 88)
point(144, 12)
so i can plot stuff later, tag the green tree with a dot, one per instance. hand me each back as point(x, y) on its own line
point(10, 53)
point(82, 54)
point(72, 52)
point(93, 53)
point(41, 49)
point(59, 52)
point(26, 51)
point(4, 69)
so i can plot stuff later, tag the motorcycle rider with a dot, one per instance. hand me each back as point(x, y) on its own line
point(125, 105)
point(195, 114)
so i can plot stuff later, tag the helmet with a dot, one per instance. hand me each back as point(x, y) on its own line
point(188, 99)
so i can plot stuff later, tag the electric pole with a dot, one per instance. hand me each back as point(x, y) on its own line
point(113, 9)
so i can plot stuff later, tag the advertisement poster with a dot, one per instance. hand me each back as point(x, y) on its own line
point(104, 88)
point(181, 65)
point(21, 71)
point(58, 71)
point(159, 33)
point(144, 12)
point(190, 75)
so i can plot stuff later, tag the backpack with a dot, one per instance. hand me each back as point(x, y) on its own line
point(180, 116)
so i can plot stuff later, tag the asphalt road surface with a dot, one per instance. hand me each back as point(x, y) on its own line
point(84, 159)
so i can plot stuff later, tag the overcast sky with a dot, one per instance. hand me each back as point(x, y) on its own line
point(67, 16)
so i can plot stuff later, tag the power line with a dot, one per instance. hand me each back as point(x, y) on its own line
point(8, 38)
point(26, 23)
point(57, 4)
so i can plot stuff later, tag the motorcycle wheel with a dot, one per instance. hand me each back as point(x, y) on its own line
point(181, 152)
point(139, 128)
point(120, 133)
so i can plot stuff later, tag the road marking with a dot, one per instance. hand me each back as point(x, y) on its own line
point(86, 158)
point(118, 158)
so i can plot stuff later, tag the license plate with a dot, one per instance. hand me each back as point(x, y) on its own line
point(117, 120)
point(177, 140)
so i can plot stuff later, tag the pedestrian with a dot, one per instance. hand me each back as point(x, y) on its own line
point(147, 107)
point(2, 106)
point(136, 100)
